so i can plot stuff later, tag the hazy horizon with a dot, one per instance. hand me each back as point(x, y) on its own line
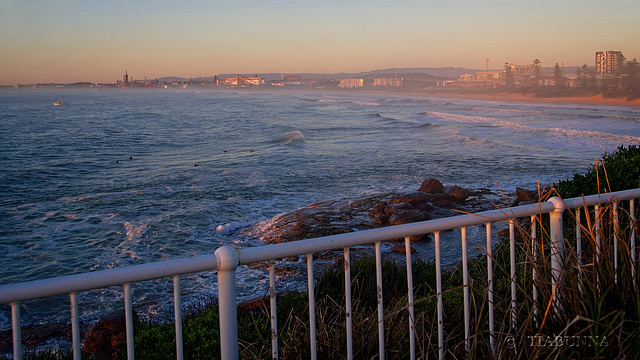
point(74, 41)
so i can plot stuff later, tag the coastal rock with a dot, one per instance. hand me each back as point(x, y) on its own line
point(408, 216)
point(457, 194)
point(431, 186)
point(524, 197)
point(343, 216)
point(36, 334)
point(392, 208)
point(380, 219)
point(107, 335)
point(442, 201)
point(379, 208)
point(321, 219)
point(418, 200)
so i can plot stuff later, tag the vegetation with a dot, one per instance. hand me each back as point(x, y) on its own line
point(616, 171)
point(598, 316)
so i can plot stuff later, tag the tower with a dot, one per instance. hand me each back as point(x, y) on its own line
point(609, 62)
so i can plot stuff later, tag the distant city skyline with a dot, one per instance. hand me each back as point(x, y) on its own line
point(75, 41)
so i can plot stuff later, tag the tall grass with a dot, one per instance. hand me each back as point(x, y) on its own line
point(597, 314)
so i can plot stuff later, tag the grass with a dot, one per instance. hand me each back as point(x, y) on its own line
point(599, 316)
point(598, 312)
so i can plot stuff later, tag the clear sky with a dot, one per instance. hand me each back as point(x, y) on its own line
point(96, 41)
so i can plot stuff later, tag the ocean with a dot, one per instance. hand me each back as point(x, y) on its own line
point(120, 177)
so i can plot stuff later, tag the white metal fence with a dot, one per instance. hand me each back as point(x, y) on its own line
point(226, 259)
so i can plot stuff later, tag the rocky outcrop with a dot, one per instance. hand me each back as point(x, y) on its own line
point(107, 336)
point(432, 200)
point(316, 220)
point(431, 186)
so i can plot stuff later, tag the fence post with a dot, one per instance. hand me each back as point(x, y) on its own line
point(556, 238)
point(226, 263)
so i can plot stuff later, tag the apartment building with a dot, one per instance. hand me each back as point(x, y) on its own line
point(609, 62)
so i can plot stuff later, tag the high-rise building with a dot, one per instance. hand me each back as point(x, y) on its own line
point(609, 62)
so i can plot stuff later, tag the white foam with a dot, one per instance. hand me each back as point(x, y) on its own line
point(290, 137)
point(347, 101)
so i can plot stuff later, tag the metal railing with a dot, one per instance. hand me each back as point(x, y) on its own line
point(226, 260)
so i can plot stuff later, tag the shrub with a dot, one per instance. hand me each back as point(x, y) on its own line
point(617, 171)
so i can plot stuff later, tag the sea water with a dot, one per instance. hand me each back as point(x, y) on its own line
point(120, 177)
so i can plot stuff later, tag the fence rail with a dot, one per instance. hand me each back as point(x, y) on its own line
point(226, 260)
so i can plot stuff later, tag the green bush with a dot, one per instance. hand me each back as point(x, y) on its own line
point(617, 171)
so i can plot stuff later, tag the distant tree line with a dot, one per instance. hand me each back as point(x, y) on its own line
point(623, 84)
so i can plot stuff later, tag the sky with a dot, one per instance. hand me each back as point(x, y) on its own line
point(67, 41)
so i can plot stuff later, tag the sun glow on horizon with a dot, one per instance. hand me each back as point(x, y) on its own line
point(77, 41)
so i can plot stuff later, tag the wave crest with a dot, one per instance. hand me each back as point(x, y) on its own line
point(290, 137)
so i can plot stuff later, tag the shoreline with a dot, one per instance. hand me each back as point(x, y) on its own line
point(513, 97)
point(582, 100)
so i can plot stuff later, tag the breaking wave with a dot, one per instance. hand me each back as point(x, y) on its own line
point(290, 137)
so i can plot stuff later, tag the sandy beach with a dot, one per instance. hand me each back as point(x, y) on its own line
point(586, 100)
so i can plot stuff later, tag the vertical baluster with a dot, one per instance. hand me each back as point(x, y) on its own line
point(347, 294)
point(412, 326)
point(226, 263)
point(380, 302)
point(312, 307)
point(512, 253)
point(128, 312)
point(556, 239)
point(579, 244)
point(439, 291)
point(465, 284)
point(598, 237)
point(490, 290)
point(177, 313)
point(632, 211)
point(534, 269)
point(17, 330)
point(75, 326)
point(615, 239)
point(274, 314)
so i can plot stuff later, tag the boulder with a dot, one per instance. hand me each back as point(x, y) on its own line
point(431, 186)
point(380, 219)
point(392, 208)
point(524, 196)
point(442, 201)
point(379, 208)
point(418, 200)
point(408, 216)
point(457, 194)
point(107, 336)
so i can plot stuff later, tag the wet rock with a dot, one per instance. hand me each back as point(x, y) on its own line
point(457, 194)
point(380, 219)
point(34, 335)
point(442, 201)
point(408, 216)
point(418, 200)
point(431, 186)
point(379, 208)
point(524, 197)
point(393, 207)
point(321, 219)
point(107, 335)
